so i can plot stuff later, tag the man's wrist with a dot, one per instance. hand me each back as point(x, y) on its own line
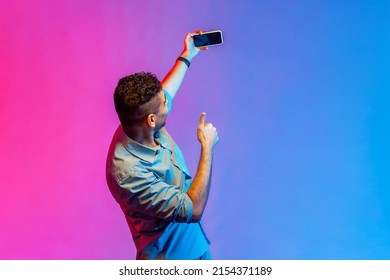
point(206, 151)
point(185, 60)
point(187, 55)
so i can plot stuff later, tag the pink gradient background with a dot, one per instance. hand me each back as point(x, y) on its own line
point(301, 171)
point(60, 61)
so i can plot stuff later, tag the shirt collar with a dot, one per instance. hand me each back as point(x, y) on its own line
point(143, 152)
point(161, 138)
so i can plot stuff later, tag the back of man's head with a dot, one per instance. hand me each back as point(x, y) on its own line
point(134, 97)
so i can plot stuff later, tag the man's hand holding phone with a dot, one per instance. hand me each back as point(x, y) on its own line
point(190, 51)
point(198, 40)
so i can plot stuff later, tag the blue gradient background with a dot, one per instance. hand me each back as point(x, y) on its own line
point(299, 92)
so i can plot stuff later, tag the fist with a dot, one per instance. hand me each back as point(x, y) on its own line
point(207, 133)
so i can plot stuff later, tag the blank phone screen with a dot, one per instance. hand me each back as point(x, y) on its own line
point(207, 39)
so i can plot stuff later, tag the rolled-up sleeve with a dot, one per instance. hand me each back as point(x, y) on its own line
point(148, 194)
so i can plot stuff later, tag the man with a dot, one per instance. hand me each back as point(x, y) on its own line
point(146, 171)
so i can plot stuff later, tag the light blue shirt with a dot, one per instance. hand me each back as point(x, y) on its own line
point(150, 185)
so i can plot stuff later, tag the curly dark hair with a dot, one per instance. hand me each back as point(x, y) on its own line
point(133, 97)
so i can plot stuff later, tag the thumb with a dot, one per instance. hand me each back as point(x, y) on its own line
point(202, 118)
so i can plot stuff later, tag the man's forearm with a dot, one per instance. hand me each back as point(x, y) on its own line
point(175, 76)
point(200, 187)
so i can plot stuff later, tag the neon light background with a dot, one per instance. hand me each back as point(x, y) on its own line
point(299, 92)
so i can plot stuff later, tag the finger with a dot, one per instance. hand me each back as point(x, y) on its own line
point(202, 118)
point(189, 35)
point(196, 32)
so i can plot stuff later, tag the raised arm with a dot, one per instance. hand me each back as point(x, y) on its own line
point(172, 81)
point(200, 187)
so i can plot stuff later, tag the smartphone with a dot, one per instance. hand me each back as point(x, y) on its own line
point(209, 38)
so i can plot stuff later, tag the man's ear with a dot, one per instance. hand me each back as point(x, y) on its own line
point(151, 119)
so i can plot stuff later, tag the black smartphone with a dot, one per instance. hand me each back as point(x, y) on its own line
point(209, 38)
